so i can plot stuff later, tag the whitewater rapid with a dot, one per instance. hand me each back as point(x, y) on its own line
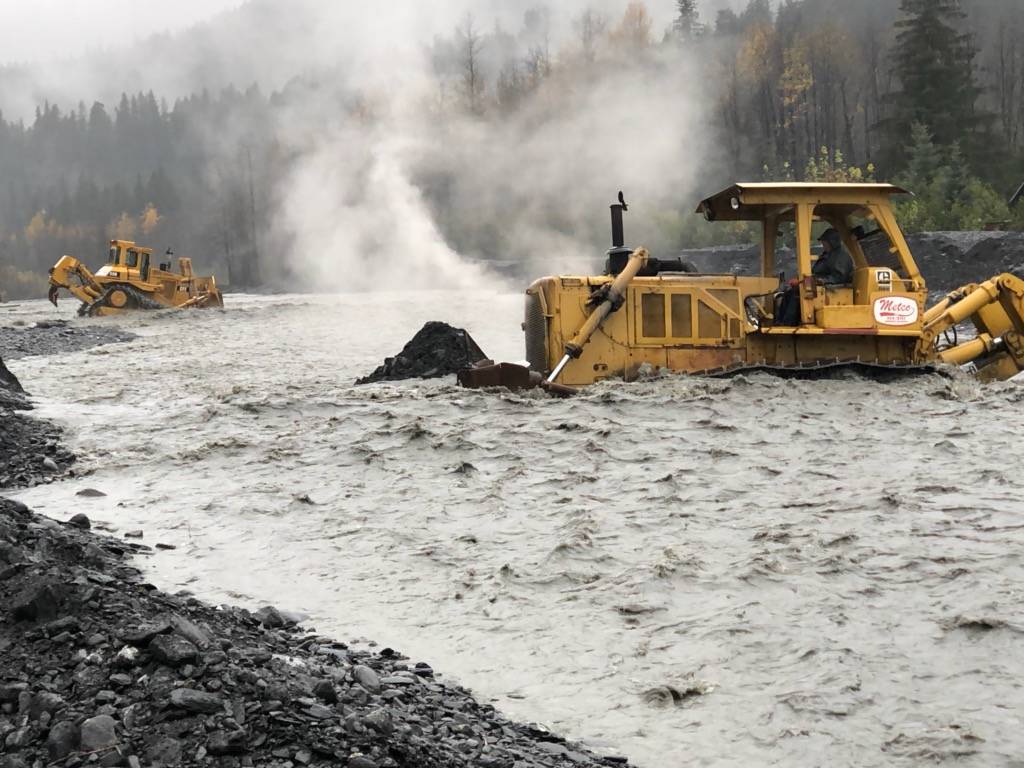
point(751, 571)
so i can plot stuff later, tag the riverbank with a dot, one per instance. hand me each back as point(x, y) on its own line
point(55, 337)
point(30, 449)
point(97, 664)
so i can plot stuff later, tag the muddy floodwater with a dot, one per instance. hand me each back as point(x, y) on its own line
point(742, 572)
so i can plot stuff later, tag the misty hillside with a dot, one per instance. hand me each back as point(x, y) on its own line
point(294, 144)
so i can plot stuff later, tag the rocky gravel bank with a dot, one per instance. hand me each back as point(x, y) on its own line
point(30, 449)
point(54, 337)
point(98, 667)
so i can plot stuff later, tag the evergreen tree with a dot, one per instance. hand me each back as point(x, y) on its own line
point(934, 61)
point(686, 24)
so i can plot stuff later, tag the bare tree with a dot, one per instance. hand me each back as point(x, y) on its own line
point(470, 46)
point(590, 26)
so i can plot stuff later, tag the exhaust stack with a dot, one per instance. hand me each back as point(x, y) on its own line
point(618, 254)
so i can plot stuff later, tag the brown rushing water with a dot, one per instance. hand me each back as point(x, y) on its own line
point(740, 572)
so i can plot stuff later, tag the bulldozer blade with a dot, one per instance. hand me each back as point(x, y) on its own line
point(559, 390)
point(507, 375)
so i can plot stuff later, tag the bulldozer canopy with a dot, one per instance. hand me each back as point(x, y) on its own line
point(754, 201)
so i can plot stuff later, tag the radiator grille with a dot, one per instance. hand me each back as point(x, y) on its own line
point(536, 327)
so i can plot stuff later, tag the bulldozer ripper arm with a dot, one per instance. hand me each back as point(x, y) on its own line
point(610, 300)
point(996, 309)
point(71, 274)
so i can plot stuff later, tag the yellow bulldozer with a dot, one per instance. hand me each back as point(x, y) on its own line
point(646, 312)
point(129, 280)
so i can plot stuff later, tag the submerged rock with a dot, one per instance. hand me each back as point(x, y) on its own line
point(437, 350)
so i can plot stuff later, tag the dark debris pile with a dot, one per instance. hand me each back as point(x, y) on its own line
point(99, 668)
point(437, 350)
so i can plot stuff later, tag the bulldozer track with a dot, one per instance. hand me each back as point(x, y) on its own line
point(817, 367)
point(136, 299)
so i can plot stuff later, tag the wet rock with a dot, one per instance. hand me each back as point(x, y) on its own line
point(40, 601)
point(8, 381)
point(190, 631)
point(80, 521)
point(9, 692)
point(270, 617)
point(145, 633)
point(44, 702)
point(62, 740)
point(19, 738)
point(173, 650)
point(192, 700)
point(127, 657)
point(98, 732)
point(165, 751)
point(90, 493)
point(325, 691)
point(359, 761)
point(436, 350)
point(366, 677)
point(230, 743)
point(379, 720)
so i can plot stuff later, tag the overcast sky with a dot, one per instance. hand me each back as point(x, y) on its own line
point(34, 31)
point(42, 30)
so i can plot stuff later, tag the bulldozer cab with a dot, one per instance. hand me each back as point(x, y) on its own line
point(126, 255)
point(886, 294)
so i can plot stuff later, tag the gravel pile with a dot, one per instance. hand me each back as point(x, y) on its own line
point(98, 667)
point(437, 350)
point(947, 260)
point(55, 337)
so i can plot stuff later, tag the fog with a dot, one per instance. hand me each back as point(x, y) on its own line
point(442, 142)
point(386, 162)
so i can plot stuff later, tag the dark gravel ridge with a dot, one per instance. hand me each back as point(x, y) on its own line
point(947, 260)
point(99, 667)
point(54, 337)
point(30, 449)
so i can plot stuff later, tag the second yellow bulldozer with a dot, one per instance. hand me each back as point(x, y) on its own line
point(129, 280)
point(656, 313)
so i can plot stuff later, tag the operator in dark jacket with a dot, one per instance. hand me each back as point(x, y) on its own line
point(833, 267)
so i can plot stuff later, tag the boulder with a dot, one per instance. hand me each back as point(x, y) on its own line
point(98, 733)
